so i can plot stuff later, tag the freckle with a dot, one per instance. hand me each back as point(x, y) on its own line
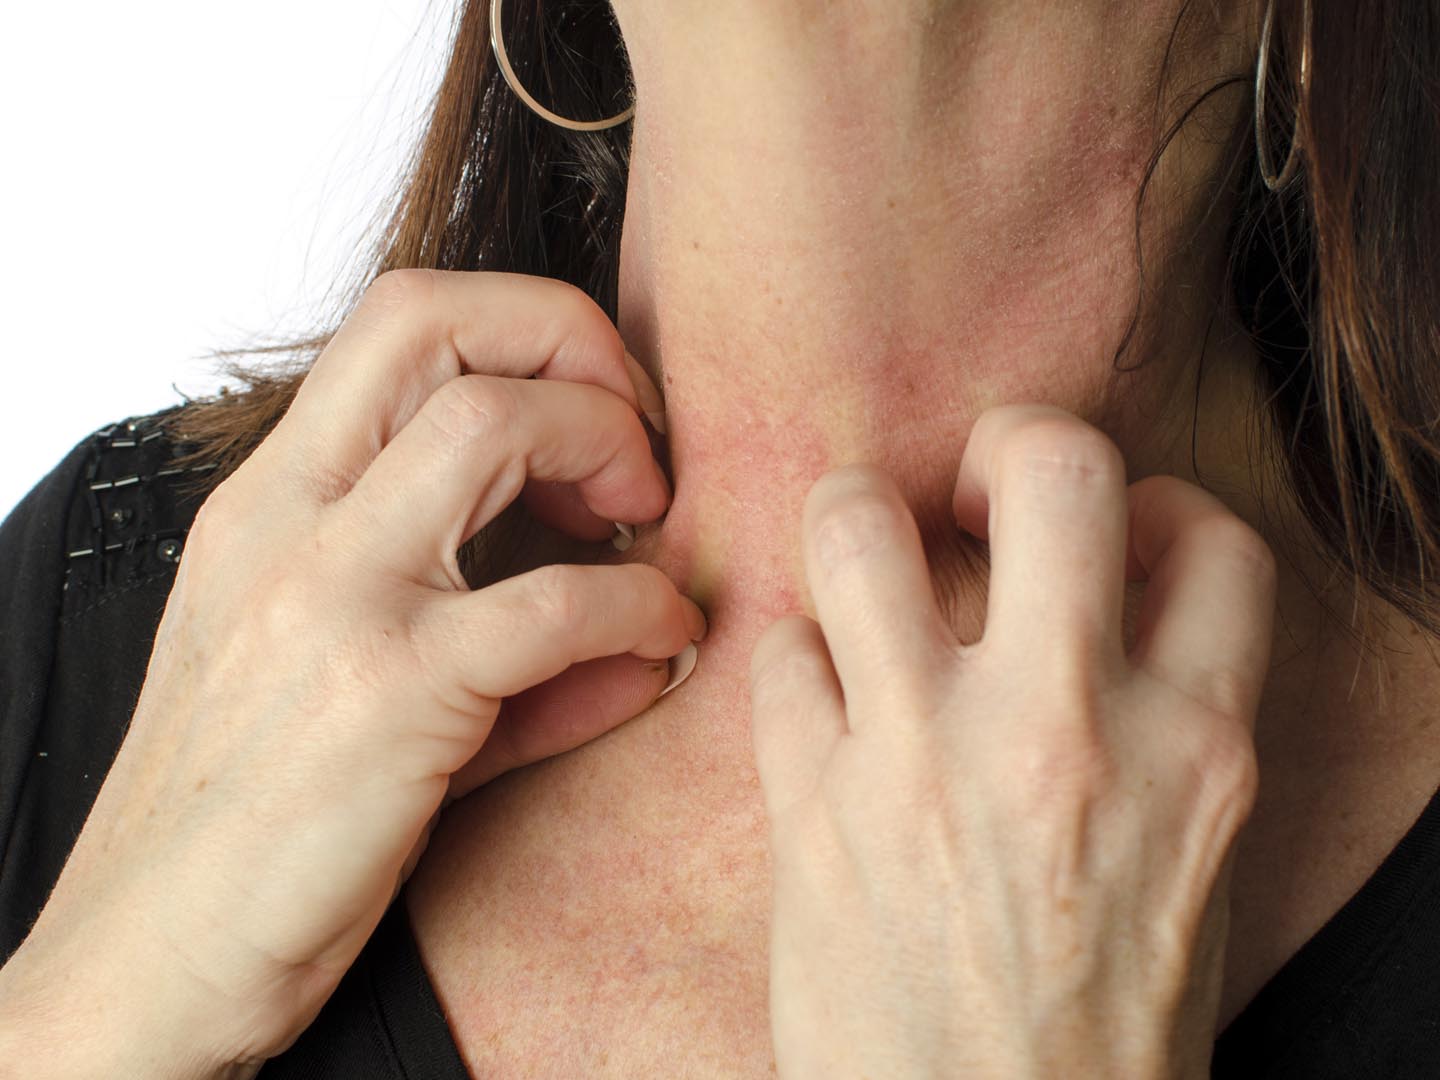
point(695, 244)
point(201, 785)
point(890, 203)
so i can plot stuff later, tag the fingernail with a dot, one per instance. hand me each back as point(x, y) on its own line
point(651, 403)
point(624, 536)
point(681, 665)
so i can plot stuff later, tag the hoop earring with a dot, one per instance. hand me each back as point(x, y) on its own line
point(1262, 72)
point(497, 43)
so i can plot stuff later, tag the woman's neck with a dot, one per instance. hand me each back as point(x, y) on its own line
point(852, 227)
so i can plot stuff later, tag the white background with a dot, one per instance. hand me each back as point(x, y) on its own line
point(179, 176)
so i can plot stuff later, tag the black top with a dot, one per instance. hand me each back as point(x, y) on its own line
point(87, 560)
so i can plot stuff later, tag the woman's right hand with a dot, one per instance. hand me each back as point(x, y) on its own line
point(323, 679)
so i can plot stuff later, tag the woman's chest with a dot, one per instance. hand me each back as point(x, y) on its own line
point(605, 914)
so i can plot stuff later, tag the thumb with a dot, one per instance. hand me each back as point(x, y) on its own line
point(582, 703)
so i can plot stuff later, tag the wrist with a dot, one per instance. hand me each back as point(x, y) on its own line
point(67, 1011)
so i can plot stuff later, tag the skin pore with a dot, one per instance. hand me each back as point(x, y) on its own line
point(850, 228)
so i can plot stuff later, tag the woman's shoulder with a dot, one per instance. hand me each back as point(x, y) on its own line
point(110, 516)
point(87, 560)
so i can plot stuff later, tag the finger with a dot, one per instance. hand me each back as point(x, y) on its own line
point(871, 586)
point(562, 507)
point(1048, 490)
point(467, 454)
point(1207, 613)
point(415, 330)
point(581, 703)
point(507, 637)
point(797, 709)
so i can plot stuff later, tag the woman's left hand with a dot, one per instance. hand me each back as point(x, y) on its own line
point(1011, 858)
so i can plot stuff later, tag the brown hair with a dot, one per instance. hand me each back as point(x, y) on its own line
point(1333, 276)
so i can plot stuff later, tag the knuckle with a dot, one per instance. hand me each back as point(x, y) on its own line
point(213, 520)
point(1222, 761)
point(300, 615)
point(652, 585)
point(577, 310)
point(1244, 549)
point(399, 288)
point(1227, 691)
point(780, 636)
point(648, 577)
point(1057, 448)
point(575, 303)
point(470, 407)
point(232, 516)
point(853, 523)
point(655, 596)
point(288, 603)
point(558, 597)
point(1070, 766)
point(782, 668)
point(648, 588)
point(579, 326)
point(391, 300)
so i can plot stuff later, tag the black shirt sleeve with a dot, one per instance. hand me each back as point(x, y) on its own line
point(32, 541)
point(87, 561)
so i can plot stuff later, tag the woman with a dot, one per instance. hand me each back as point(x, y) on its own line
point(882, 261)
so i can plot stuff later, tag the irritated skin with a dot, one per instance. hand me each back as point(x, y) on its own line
point(851, 227)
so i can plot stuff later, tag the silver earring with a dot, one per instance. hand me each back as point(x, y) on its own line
point(1262, 72)
point(497, 43)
